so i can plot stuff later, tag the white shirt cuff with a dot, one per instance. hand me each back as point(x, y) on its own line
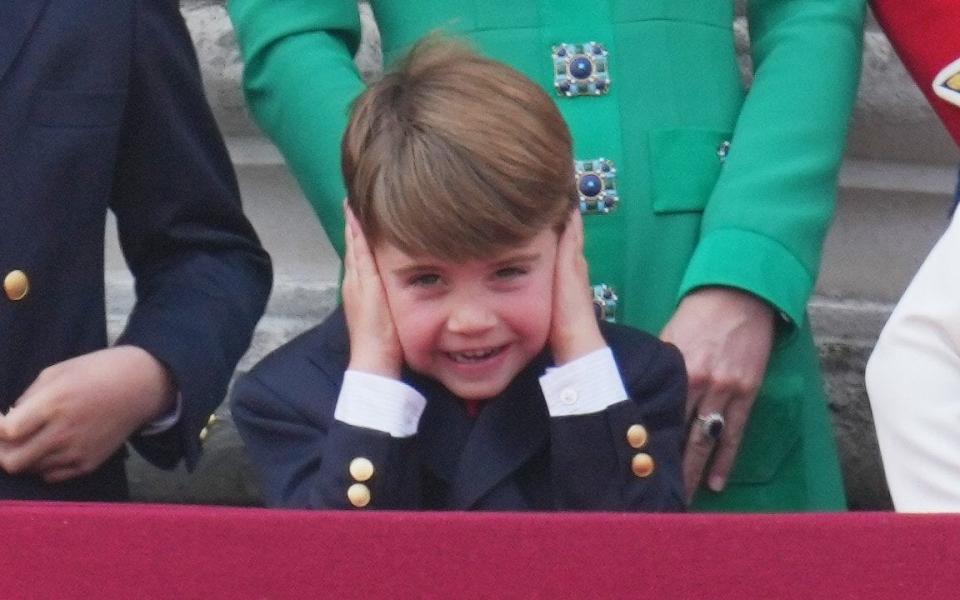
point(586, 385)
point(381, 403)
point(164, 422)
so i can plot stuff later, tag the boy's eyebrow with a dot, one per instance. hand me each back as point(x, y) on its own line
point(419, 267)
point(519, 258)
point(415, 268)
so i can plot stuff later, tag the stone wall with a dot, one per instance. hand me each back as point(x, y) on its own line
point(895, 186)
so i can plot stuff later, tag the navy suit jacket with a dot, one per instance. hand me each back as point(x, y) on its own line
point(513, 456)
point(102, 107)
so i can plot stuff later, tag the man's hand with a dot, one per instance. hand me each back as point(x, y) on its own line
point(374, 345)
point(573, 329)
point(725, 336)
point(78, 412)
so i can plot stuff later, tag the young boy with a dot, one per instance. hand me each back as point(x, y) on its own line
point(476, 374)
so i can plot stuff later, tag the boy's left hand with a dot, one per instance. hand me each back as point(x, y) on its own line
point(78, 412)
point(574, 330)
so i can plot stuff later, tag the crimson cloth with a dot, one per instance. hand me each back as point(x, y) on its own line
point(108, 551)
point(926, 35)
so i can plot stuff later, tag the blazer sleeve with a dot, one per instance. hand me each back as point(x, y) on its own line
point(302, 455)
point(202, 278)
point(765, 222)
point(592, 459)
point(299, 80)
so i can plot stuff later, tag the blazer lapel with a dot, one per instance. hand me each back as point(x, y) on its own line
point(18, 18)
point(508, 433)
point(444, 429)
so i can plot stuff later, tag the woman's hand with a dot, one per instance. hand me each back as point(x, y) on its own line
point(725, 336)
point(374, 345)
point(574, 331)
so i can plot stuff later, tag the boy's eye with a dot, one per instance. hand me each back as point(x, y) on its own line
point(425, 280)
point(511, 272)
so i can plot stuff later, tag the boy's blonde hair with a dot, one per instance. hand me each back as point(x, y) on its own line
point(456, 156)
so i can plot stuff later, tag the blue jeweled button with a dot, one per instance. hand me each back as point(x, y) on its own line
point(605, 302)
point(590, 185)
point(596, 182)
point(581, 67)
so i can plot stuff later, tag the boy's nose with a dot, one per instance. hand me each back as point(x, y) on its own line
point(470, 318)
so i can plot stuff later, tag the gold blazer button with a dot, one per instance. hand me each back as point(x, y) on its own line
point(16, 285)
point(637, 436)
point(642, 465)
point(361, 469)
point(359, 495)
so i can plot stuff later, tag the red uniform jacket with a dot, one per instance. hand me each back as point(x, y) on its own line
point(926, 35)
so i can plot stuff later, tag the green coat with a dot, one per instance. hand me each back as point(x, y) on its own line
point(754, 219)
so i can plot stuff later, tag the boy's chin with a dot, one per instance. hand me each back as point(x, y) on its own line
point(470, 391)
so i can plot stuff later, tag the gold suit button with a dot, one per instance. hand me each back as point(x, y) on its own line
point(204, 433)
point(637, 436)
point(16, 285)
point(361, 469)
point(642, 465)
point(359, 495)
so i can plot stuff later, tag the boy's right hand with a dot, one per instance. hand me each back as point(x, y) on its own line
point(374, 345)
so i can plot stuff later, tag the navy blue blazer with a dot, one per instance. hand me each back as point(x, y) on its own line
point(102, 107)
point(513, 456)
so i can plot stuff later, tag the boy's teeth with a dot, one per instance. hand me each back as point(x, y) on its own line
point(472, 355)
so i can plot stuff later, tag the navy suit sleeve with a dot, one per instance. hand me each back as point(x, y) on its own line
point(202, 278)
point(591, 458)
point(283, 409)
point(302, 455)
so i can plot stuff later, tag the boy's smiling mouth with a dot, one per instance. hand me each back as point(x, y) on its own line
point(474, 356)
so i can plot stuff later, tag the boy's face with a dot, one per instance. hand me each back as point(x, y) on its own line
point(472, 326)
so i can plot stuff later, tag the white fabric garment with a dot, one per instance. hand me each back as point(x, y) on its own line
point(913, 379)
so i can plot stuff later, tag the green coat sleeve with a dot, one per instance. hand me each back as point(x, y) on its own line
point(765, 222)
point(299, 80)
